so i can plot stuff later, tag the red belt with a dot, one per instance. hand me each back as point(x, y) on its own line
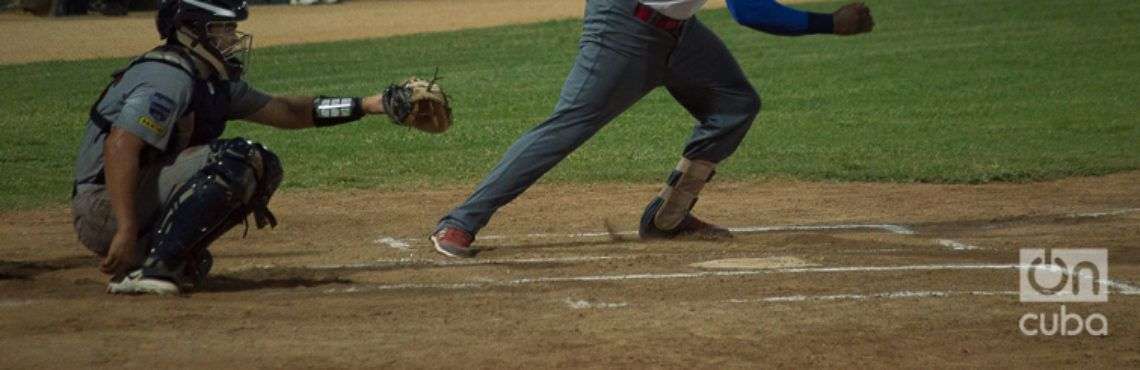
point(656, 19)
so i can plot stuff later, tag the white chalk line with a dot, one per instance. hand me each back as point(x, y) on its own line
point(895, 229)
point(1115, 212)
point(393, 243)
point(584, 304)
point(676, 275)
point(1122, 288)
point(860, 297)
point(880, 250)
point(15, 302)
point(407, 262)
point(405, 244)
point(956, 245)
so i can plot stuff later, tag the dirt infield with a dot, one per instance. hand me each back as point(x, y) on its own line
point(832, 274)
point(348, 281)
point(29, 38)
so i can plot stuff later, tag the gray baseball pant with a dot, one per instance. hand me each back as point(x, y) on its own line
point(621, 59)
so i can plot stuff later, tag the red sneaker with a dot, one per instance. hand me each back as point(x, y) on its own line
point(453, 242)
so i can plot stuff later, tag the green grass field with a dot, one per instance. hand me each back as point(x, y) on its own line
point(943, 91)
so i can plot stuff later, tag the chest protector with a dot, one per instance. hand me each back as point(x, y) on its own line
point(209, 103)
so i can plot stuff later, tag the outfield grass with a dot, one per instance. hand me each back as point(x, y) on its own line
point(942, 91)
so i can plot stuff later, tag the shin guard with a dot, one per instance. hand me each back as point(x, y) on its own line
point(240, 178)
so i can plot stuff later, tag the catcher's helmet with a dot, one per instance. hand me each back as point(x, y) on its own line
point(201, 26)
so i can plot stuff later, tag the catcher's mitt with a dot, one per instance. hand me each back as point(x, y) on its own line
point(418, 103)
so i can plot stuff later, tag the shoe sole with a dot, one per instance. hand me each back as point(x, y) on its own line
point(468, 253)
point(148, 286)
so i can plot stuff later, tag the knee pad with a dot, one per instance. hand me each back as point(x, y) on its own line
point(681, 191)
point(253, 169)
point(258, 168)
point(239, 179)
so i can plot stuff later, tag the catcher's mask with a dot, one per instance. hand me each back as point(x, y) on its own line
point(209, 29)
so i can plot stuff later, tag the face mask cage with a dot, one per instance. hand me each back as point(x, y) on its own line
point(234, 45)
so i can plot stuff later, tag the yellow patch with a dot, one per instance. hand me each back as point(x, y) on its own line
point(149, 123)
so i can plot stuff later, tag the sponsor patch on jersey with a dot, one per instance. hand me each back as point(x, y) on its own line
point(149, 123)
point(161, 106)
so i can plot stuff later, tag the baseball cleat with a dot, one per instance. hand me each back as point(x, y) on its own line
point(689, 227)
point(136, 283)
point(453, 242)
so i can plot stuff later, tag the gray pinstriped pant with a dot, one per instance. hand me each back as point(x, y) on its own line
point(620, 60)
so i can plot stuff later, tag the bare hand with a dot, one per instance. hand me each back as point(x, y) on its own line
point(122, 255)
point(852, 19)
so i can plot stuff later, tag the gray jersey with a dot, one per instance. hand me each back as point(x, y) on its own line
point(149, 101)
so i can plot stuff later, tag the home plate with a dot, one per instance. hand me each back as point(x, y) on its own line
point(753, 263)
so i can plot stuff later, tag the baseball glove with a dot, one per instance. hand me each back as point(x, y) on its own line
point(417, 103)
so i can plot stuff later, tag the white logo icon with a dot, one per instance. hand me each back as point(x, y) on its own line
point(1064, 275)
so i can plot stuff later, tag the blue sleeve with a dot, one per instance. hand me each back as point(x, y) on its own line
point(771, 17)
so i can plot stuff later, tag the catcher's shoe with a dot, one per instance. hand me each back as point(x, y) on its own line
point(137, 283)
point(690, 227)
point(453, 242)
point(159, 277)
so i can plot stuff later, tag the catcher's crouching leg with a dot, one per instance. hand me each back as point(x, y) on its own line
point(239, 179)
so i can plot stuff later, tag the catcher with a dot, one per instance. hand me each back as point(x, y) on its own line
point(154, 182)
